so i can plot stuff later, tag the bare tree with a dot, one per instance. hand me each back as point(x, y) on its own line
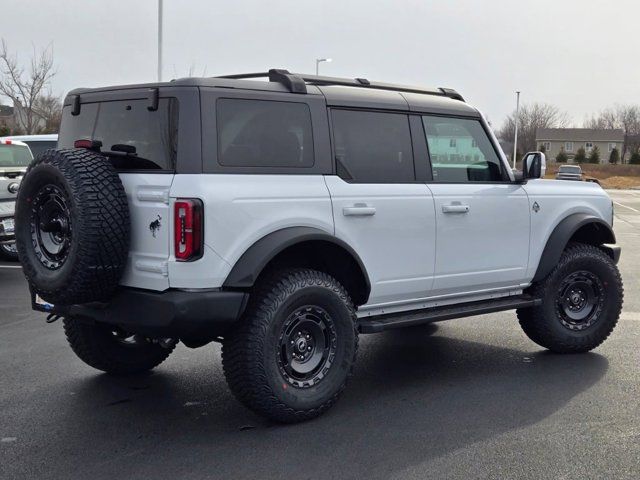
point(24, 87)
point(49, 108)
point(623, 117)
point(531, 118)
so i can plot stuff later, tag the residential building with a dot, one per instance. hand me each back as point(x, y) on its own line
point(7, 118)
point(570, 140)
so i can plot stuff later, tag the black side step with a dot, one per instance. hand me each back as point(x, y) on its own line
point(406, 319)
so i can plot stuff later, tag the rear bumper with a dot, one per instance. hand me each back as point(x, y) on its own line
point(193, 316)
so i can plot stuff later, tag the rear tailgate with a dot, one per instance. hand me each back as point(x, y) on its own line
point(140, 138)
point(149, 207)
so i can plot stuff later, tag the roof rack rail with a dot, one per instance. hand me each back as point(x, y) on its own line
point(297, 83)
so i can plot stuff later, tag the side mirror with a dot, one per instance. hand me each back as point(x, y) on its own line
point(534, 165)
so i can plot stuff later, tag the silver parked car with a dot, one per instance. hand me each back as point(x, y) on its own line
point(569, 172)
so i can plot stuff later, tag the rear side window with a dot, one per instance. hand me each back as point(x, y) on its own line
point(461, 151)
point(133, 137)
point(373, 147)
point(14, 156)
point(263, 133)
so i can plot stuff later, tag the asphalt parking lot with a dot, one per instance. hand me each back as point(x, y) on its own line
point(470, 398)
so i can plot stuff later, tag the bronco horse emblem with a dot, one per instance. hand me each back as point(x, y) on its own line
point(155, 226)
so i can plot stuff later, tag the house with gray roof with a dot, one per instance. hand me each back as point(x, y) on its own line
point(570, 140)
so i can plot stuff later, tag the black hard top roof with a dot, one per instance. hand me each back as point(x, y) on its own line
point(358, 92)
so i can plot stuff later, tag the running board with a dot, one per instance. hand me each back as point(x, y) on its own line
point(380, 323)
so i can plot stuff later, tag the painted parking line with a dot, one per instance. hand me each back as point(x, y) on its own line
point(626, 206)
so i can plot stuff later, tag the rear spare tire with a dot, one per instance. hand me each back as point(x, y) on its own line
point(72, 226)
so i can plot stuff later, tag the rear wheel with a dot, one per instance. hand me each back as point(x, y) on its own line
point(112, 350)
point(290, 359)
point(9, 252)
point(581, 302)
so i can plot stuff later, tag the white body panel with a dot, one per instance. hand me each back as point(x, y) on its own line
point(396, 243)
point(148, 197)
point(557, 200)
point(241, 209)
point(416, 255)
point(484, 247)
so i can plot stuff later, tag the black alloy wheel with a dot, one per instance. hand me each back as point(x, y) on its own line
point(307, 346)
point(580, 300)
point(51, 226)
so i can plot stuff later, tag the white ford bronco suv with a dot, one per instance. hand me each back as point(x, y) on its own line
point(285, 217)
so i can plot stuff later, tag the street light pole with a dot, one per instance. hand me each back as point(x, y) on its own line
point(159, 40)
point(319, 61)
point(517, 119)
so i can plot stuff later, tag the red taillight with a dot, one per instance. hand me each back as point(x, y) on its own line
point(188, 229)
point(82, 143)
point(7, 142)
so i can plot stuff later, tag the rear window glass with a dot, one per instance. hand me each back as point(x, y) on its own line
point(132, 136)
point(14, 156)
point(262, 133)
point(39, 146)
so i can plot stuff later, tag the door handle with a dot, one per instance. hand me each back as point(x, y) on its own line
point(359, 210)
point(455, 208)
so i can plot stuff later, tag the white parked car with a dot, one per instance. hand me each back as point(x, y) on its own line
point(15, 156)
point(37, 143)
point(285, 218)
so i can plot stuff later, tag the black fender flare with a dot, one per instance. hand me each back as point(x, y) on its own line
point(246, 270)
point(561, 235)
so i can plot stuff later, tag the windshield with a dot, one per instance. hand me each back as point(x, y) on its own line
point(570, 169)
point(14, 156)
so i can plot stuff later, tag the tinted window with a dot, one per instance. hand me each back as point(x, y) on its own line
point(460, 151)
point(260, 133)
point(14, 156)
point(373, 147)
point(149, 137)
point(39, 146)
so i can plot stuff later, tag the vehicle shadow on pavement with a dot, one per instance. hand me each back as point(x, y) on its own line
point(415, 396)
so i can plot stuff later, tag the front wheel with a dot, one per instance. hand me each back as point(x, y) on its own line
point(9, 252)
point(291, 357)
point(581, 302)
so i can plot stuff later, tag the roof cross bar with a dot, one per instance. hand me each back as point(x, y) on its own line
point(293, 82)
point(297, 82)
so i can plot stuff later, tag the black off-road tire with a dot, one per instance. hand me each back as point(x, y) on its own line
point(7, 254)
point(96, 226)
point(252, 355)
point(100, 347)
point(547, 326)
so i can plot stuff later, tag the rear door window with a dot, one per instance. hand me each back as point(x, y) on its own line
point(373, 147)
point(263, 133)
point(131, 135)
point(460, 151)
